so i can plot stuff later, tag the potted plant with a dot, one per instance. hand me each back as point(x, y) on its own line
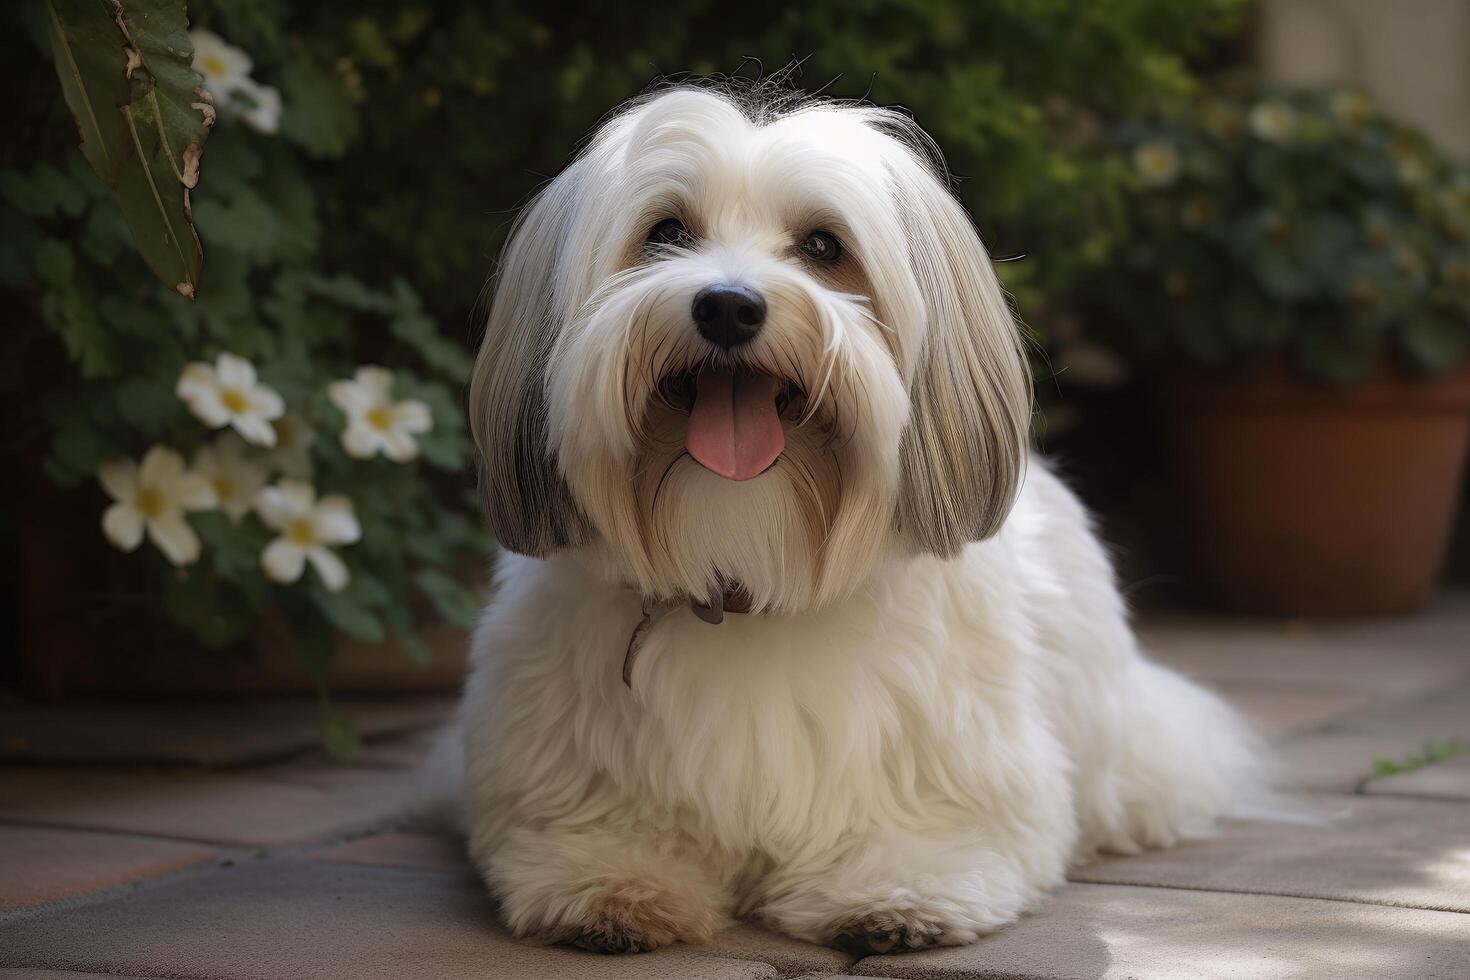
point(1300, 281)
point(230, 449)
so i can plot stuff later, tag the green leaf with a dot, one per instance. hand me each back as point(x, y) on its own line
point(406, 632)
point(43, 193)
point(323, 118)
point(1435, 342)
point(91, 66)
point(209, 608)
point(453, 601)
point(339, 734)
point(126, 71)
point(348, 612)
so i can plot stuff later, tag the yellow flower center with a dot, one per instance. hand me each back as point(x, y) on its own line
point(149, 502)
point(234, 399)
point(301, 532)
point(380, 418)
point(224, 488)
point(212, 65)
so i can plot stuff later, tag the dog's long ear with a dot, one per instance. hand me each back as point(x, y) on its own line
point(530, 507)
point(965, 447)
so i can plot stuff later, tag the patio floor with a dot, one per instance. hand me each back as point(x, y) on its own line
point(251, 859)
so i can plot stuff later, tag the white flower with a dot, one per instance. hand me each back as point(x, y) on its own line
point(1273, 121)
point(228, 394)
point(1157, 162)
point(292, 453)
point(236, 477)
point(307, 527)
point(226, 71)
point(154, 497)
point(259, 105)
point(376, 423)
point(225, 67)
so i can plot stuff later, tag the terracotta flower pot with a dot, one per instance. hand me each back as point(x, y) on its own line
point(1309, 499)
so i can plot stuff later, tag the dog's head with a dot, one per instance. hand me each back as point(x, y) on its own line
point(735, 344)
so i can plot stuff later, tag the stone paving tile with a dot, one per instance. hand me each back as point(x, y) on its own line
point(268, 807)
point(427, 852)
point(1413, 853)
point(748, 942)
point(1339, 756)
point(421, 852)
point(1098, 932)
point(1448, 780)
point(28, 974)
point(1277, 711)
point(308, 920)
point(212, 733)
point(42, 865)
point(1387, 658)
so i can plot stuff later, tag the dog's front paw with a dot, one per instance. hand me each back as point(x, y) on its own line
point(888, 930)
point(634, 919)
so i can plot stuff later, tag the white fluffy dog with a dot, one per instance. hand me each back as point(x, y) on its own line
point(748, 361)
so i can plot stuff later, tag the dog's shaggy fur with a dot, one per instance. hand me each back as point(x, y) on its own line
point(935, 705)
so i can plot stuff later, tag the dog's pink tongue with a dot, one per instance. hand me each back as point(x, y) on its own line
point(734, 429)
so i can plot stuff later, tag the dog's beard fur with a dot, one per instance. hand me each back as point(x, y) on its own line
point(912, 396)
point(822, 506)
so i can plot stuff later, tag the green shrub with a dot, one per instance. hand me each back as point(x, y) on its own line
point(1273, 220)
point(355, 222)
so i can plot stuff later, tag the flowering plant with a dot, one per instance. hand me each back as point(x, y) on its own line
point(1306, 222)
point(232, 431)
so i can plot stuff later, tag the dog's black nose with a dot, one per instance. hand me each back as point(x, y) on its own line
point(727, 315)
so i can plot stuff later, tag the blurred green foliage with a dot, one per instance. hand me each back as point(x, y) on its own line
point(364, 230)
point(1274, 220)
point(428, 123)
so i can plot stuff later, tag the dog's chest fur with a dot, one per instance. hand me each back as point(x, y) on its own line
point(766, 731)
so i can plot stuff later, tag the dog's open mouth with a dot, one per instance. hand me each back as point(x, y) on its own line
point(735, 418)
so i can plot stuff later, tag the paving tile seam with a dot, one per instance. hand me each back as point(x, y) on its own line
point(99, 971)
point(123, 890)
point(337, 836)
point(1417, 797)
point(1266, 894)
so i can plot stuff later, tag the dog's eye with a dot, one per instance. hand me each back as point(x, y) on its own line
point(671, 232)
point(821, 247)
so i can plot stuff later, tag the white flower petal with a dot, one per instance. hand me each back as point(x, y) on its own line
point(267, 404)
point(352, 398)
point(120, 479)
point(174, 537)
point(195, 379)
point(235, 372)
point(413, 416)
point(254, 429)
point(285, 502)
point(329, 567)
point(399, 446)
point(361, 441)
point(207, 408)
point(260, 107)
point(283, 561)
point(123, 526)
point(336, 520)
point(163, 468)
point(195, 491)
point(376, 378)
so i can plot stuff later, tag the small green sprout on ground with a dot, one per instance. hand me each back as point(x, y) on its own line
point(1435, 750)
